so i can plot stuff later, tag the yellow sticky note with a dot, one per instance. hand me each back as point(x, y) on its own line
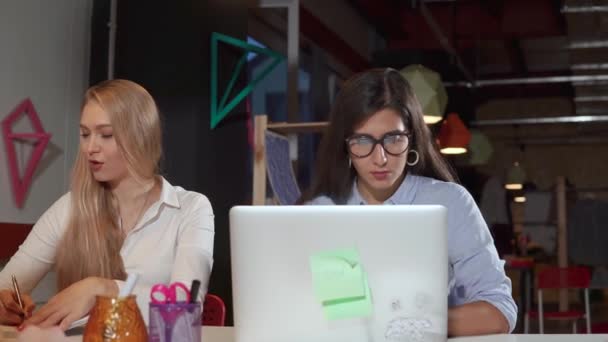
point(340, 284)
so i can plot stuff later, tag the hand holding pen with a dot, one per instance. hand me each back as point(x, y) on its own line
point(17, 293)
point(15, 306)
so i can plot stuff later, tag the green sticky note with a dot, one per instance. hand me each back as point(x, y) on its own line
point(337, 275)
point(340, 284)
point(350, 307)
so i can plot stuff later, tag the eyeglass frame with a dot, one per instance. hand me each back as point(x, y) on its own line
point(378, 141)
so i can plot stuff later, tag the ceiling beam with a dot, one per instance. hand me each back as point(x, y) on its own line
point(519, 91)
point(529, 80)
point(545, 120)
point(584, 9)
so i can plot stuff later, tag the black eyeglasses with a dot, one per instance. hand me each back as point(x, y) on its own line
point(362, 145)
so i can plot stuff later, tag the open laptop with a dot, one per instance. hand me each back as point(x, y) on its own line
point(339, 273)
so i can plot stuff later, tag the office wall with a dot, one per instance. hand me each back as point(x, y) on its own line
point(44, 56)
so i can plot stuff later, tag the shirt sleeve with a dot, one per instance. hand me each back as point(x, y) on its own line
point(479, 274)
point(36, 256)
point(193, 255)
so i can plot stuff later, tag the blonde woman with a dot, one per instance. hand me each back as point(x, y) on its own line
point(120, 217)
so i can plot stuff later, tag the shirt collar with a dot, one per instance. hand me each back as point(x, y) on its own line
point(405, 194)
point(168, 195)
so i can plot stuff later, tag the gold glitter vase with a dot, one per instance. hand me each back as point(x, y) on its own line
point(115, 320)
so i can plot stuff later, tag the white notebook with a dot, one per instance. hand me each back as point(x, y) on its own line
point(79, 323)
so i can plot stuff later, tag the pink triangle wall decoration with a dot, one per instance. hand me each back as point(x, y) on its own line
point(21, 183)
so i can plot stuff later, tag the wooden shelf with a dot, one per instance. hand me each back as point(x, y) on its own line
point(299, 127)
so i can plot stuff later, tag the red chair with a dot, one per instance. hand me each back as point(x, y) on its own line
point(562, 278)
point(214, 311)
point(525, 266)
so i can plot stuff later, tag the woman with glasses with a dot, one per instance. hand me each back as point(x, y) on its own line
point(378, 150)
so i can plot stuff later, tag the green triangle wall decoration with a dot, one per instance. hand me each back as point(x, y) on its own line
point(220, 110)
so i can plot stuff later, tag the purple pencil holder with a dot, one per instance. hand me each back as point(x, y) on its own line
point(175, 322)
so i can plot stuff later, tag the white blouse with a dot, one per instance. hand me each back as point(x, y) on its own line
point(172, 242)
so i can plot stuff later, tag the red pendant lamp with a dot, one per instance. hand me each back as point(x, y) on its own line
point(454, 136)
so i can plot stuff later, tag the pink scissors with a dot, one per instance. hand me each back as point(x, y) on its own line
point(162, 294)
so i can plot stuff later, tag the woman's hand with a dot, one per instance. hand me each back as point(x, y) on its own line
point(73, 303)
point(10, 312)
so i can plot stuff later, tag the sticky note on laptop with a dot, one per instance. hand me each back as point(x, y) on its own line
point(340, 284)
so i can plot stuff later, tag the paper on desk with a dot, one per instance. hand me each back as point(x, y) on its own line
point(8, 333)
point(35, 334)
point(79, 323)
point(340, 284)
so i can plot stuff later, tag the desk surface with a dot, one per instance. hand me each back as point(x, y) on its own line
point(533, 338)
point(226, 334)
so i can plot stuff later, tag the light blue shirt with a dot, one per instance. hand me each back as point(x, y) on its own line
point(475, 272)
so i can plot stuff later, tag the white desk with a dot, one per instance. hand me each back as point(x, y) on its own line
point(533, 338)
point(226, 334)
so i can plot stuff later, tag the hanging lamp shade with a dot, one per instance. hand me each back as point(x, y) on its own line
point(519, 196)
point(515, 177)
point(480, 148)
point(429, 90)
point(454, 136)
point(519, 199)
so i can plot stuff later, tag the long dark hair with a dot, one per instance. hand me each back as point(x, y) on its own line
point(362, 96)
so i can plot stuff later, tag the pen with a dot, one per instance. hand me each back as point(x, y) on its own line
point(194, 290)
point(17, 293)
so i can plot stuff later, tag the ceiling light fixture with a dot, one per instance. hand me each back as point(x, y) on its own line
point(454, 136)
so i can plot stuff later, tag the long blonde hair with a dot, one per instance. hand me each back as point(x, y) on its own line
point(92, 242)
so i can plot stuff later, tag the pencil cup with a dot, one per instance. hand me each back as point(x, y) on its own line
point(175, 322)
point(115, 320)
